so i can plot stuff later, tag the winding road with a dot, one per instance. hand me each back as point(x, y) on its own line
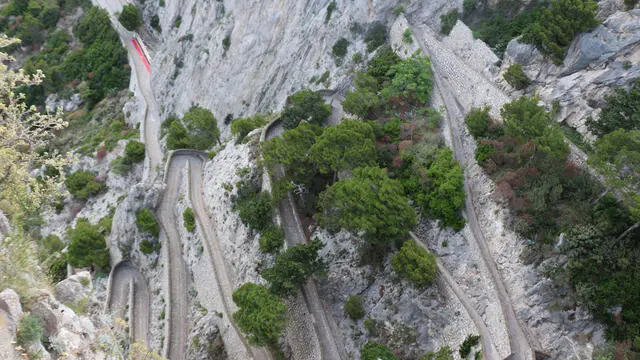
point(521, 349)
point(130, 289)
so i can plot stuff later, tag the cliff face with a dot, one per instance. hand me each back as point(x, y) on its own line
point(275, 48)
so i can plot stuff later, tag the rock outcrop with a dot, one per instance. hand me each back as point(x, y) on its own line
point(597, 62)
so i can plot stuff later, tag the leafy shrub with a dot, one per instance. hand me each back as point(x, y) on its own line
point(242, 127)
point(339, 50)
point(58, 270)
point(293, 267)
point(226, 42)
point(483, 153)
point(83, 185)
point(348, 145)
point(147, 247)
point(330, 8)
point(398, 10)
point(374, 351)
point(178, 22)
point(51, 244)
point(467, 344)
point(468, 5)
point(271, 239)
point(155, 23)
point(380, 65)
point(415, 263)
point(133, 152)
point(197, 130)
point(146, 222)
point(305, 105)
point(407, 36)
point(376, 36)
point(29, 330)
point(477, 121)
point(255, 210)
point(189, 219)
point(130, 17)
point(412, 82)
point(556, 27)
point(87, 246)
point(515, 77)
point(622, 111)
point(261, 315)
point(353, 307)
point(448, 21)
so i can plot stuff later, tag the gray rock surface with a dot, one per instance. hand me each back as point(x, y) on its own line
point(10, 303)
point(74, 289)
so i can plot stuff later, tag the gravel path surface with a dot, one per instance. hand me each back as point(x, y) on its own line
point(328, 335)
point(123, 275)
point(237, 346)
point(447, 70)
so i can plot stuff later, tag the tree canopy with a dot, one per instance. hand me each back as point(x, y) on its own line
point(82, 184)
point(375, 351)
point(348, 145)
point(622, 111)
point(526, 120)
point(261, 315)
point(415, 263)
point(198, 130)
point(412, 81)
point(87, 246)
point(368, 202)
point(130, 17)
point(305, 105)
point(293, 267)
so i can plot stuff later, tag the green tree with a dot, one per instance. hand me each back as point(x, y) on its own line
point(189, 219)
point(292, 151)
point(368, 202)
point(364, 99)
point(412, 81)
point(242, 127)
point(407, 36)
point(525, 120)
point(622, 111)
point(348, 145)
point(202, 127)
point(556, 26)
point(177, 137)
point(255, 210)
point(617, 157)
point(379, 66)
point(415, 263)
point(374, 351)
point(271, 239)
point(376, 36)
point(87, 246)
point(448, 21)
point(477, 121)
point(339, 50)
point(445, 353)
point(305, 105)
point(353, 307)
point(293, 267)
point(130, 17)
point(515, 77)
point(446, 195)
point(83, 185)
point(29, 330)
point(261, 315)
point(133, 152)
point(146, 222)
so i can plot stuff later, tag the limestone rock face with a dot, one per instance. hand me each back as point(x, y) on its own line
point(10, 303)
point(75, 288)
point(474, 52)
point(605, 58)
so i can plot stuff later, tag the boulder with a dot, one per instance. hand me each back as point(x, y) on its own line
point(74, 289)
point(10, 303)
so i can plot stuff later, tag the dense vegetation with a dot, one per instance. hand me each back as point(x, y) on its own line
point(415, 263)
point(83, 185)
point(130, 17)
point(448, 21)
point(261, 315)
point(242, 127)
point(197, 130)
point(353, 307)
point(622, 111)
point(189, 219)
point(515, 77)
point(468, 343)
point(305, 105)
point(548, 195)
point(374, 351)
point(376, 36)
point(87, 246)
point(550, 26)
point(147, 223)
point(339, 50)
point(271, 239)
point(293, 267)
